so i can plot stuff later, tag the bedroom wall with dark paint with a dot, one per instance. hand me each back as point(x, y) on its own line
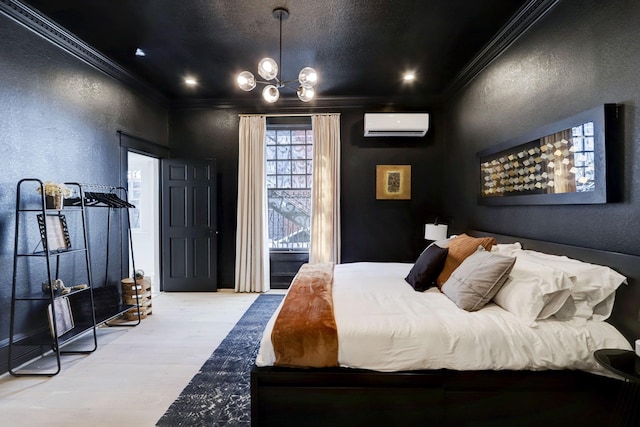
point(583, 54)
point(58, 122)
point(372, 230)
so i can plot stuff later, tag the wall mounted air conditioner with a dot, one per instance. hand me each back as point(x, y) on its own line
point(396, 124)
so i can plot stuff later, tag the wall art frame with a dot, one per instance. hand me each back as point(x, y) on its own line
point(561, 163)
point(54, 233)
point(393, 182)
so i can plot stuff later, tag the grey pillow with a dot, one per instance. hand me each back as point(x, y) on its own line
point(478, 279)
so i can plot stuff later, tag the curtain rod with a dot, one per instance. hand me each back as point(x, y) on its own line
point(287, 115)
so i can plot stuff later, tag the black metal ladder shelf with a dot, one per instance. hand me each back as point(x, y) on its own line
point(31, 302)
point(72, 311)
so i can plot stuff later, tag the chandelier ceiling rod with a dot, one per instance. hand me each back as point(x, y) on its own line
point(281, 14)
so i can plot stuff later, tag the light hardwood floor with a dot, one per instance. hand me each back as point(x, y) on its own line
point(135, 374)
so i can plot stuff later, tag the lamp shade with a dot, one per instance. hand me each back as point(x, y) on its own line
point(435, 231)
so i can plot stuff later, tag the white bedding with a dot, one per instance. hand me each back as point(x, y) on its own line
point(385, 325)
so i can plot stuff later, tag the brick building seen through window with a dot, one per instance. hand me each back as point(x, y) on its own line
point(289, 154)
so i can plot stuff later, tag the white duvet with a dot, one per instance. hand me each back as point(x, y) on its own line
point(385, 325)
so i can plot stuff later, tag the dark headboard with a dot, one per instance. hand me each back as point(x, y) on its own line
point(626, 310)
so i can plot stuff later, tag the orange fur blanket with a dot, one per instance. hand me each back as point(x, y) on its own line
point(305, 333)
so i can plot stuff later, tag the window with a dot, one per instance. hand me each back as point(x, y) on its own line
point(584, 157)
point(289, 145)
point(134, 178)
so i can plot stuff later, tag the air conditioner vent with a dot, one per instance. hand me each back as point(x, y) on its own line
point(396, 124)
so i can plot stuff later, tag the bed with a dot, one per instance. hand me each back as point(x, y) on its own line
point(411, 387)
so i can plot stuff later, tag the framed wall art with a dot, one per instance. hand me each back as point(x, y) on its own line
point(562, 163)
point(393, 182)
point(55, 235)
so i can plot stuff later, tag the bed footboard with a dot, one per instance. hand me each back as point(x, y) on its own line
point(346, 397)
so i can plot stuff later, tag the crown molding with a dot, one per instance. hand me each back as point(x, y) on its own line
point(294, 105)
point(525, 18)
point(52, 32)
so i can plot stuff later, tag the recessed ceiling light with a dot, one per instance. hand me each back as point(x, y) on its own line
point(191, 81)
point(140, 52)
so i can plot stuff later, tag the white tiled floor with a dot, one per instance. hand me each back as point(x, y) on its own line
point(135, 374)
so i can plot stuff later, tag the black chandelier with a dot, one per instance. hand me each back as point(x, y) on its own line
point(268, 70)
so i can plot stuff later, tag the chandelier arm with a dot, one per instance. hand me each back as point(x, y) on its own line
point(288, 81)
point(295, 89)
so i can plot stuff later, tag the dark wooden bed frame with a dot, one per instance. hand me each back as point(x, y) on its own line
point(352, 397)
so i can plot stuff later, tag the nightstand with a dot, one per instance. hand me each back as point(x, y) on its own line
point(626, 364)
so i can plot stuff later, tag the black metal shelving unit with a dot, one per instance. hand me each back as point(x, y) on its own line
point(27, 295)
point(36, 299)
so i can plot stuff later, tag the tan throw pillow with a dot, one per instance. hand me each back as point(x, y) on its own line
point(460, 248)
point(478, 279)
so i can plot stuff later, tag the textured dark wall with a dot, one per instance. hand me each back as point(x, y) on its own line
point(58, 122)
point(583, 54)
point(372, 230)
point(387, 230)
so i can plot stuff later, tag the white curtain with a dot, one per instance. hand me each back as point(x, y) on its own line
point(252, 251)
point(325, 190)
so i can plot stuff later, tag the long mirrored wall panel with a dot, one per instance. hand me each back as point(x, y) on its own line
point(562, 163)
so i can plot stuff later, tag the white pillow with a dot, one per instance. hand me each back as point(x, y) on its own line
point(508, 249)
point(534, 291)
point(594, 286)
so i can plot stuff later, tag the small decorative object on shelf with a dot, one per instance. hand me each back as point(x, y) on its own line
point(54, 232)
point(55, 194)
point(58, 285)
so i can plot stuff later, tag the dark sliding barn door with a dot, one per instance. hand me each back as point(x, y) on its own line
point(189, 226)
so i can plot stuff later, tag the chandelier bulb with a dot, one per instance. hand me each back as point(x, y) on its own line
point(246, 81)
point(305, 94)
point(268, 68)
point(270, 94)
point(308, 77)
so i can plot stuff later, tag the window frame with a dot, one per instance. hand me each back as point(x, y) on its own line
point(286, 186)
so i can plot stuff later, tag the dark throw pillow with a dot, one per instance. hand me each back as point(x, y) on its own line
point(424, 272)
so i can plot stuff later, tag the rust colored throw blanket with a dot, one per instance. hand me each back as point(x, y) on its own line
point(305, 334)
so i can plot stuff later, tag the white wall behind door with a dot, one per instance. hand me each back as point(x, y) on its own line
point(144, 193)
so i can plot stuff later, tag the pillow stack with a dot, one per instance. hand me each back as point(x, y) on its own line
point(531, 285)
point(436, 263)
point(594, 286)
point(534, 291)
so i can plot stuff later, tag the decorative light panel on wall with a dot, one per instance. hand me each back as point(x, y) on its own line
point(562, 163)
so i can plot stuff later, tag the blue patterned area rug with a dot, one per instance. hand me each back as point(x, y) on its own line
point(220, 393)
